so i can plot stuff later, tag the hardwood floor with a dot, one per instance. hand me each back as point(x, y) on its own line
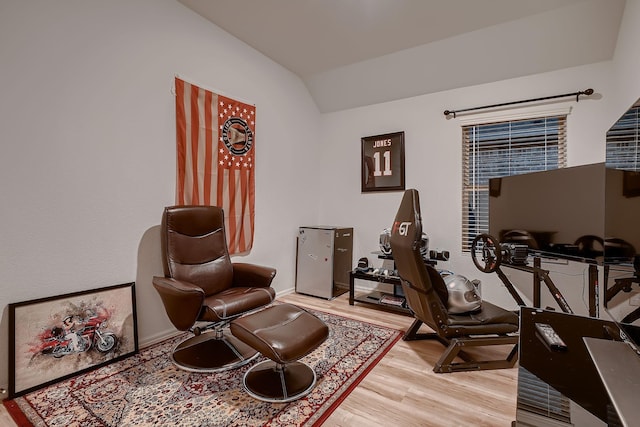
point(403, 389)
point(5, 418)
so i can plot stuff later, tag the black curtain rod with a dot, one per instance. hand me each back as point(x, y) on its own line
point(576, 94)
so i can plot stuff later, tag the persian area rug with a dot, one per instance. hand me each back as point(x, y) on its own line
point(147, 389)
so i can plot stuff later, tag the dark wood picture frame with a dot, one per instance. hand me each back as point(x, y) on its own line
point(382, 162)
point(51, 339)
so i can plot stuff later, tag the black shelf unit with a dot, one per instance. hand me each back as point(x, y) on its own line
point(375, 297)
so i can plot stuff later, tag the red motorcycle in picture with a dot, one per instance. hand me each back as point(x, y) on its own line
point(78, 335)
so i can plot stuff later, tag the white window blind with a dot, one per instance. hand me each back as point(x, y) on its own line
point(539, 398)
point(623, 142)
point(501, 149)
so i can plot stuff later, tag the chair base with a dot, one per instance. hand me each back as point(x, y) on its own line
point(455, 347)
point(276, 383)
point(208, 353)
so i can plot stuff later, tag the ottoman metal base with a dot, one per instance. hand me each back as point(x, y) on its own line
point(277, 383)
point(208, 353)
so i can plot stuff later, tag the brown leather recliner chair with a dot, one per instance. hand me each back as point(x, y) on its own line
point(427, 296)
point(201, 284)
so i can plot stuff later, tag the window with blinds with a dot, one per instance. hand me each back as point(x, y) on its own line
point(623, 141)
point(539, 398)
point(501, 149)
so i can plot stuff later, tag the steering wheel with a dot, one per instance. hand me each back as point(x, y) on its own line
point(486, 253)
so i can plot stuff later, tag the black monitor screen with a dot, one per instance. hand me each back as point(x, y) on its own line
point(588, 213)
point(556, 213)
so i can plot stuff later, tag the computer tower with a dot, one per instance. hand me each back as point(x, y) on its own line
point(324, 260)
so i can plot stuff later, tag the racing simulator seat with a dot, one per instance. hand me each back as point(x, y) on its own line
point(201, 284)
point(427, 297)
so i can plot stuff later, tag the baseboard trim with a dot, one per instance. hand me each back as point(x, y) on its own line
point(159, 337)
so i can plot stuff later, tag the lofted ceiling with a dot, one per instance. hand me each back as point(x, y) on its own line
point(351, 53)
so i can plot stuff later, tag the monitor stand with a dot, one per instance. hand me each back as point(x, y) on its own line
point(619, 368)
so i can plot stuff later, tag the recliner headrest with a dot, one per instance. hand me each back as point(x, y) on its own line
point(194, 220)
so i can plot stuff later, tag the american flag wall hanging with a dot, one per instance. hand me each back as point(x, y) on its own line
point(215, 138)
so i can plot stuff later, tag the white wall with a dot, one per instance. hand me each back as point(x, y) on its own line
point(433, 146)
point(626, 60)
point(87, 158)
point(535, 44)
point(433, 157)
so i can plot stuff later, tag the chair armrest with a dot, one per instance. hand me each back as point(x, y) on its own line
point(182, 301)
point(252, 275)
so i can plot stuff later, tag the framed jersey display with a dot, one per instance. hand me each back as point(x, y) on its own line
point(383, 162)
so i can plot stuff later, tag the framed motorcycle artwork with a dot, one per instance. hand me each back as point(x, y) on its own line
point(51, 339)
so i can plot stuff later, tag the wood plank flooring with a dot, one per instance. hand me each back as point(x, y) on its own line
point(402, 390)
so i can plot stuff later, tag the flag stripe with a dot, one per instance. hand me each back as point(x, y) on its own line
point(243, 215)
point(208, 155)
point(232, 210)
point(194, 144)
point(181, 141)
point(213, 188)
point(187, 178)
point(215, 170)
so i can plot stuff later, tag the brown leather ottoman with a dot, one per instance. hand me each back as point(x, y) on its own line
point(283, 333)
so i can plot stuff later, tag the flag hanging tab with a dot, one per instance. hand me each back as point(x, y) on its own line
point(215, 138)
